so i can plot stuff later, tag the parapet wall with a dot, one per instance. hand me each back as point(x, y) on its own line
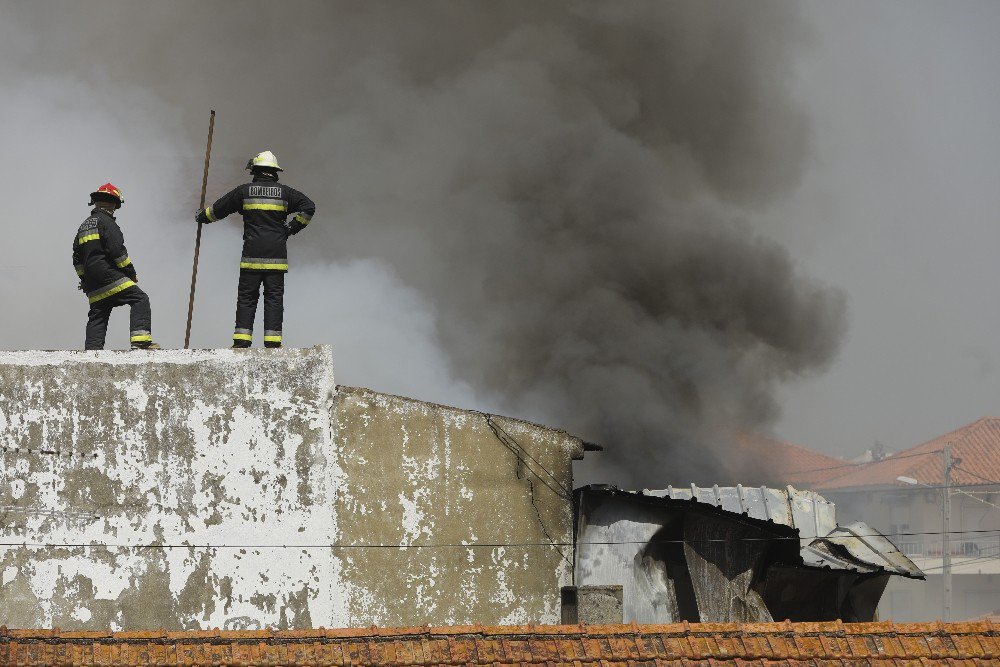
point(241, 489)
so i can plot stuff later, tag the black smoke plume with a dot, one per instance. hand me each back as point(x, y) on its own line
point(563, 181)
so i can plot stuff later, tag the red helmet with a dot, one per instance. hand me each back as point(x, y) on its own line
point(107, 190)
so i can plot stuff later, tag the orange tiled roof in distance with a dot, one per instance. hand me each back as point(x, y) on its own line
point(789, 463)
point(789, 644)
point(977, 444)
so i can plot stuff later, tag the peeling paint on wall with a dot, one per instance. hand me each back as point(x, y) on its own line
point(200, 451)
point(239, 489)
point(438, 480)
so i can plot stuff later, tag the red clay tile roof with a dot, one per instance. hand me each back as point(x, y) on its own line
point(977, 444)
point(791, 644)
point(790, 464)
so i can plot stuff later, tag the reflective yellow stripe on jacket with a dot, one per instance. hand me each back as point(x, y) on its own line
point(109, 290)
point(261, 204)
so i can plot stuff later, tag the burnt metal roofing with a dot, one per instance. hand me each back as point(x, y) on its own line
point(791, 644)
point(856, 546)
point(864, 546)
point(806, 511)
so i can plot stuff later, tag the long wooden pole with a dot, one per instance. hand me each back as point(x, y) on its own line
point(197, 239)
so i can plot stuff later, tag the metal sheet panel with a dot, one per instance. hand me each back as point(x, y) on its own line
point(807, 511)
point(869, 546)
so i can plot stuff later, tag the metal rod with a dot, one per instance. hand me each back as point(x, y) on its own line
point(945, 541)
point(197, 238)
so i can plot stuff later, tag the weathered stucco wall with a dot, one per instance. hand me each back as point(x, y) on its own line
point(442, 482)
point(179, 448)
point(239, 489)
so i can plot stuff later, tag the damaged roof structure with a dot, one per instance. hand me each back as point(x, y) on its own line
point(731, 554)
point(243, 490)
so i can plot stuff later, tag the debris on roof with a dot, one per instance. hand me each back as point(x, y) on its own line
point(731, 554)
point(866, 550)
point(791, 644)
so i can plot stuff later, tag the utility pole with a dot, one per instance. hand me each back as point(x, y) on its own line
point(945, 535)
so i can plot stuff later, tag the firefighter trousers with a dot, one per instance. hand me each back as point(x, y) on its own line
point(140, 318)
point(247, 296)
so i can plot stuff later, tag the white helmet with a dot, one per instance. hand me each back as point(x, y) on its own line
point(266, 160)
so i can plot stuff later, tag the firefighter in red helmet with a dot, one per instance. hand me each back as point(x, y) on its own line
point(107, 275)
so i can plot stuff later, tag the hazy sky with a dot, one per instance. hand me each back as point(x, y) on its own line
point(901, 209)
point(893, 198)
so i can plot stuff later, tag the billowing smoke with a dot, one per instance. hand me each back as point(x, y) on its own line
point(561, 182)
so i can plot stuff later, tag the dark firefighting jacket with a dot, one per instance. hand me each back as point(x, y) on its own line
point(265, 204)
point(100, 258)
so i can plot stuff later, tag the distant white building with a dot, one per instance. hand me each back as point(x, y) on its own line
point(910, 513)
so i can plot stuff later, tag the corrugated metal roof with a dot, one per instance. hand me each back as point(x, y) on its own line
point(806, 511)
point(792, 644)
point(822, 541)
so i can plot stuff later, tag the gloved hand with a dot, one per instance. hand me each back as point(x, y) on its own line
point(199, 216)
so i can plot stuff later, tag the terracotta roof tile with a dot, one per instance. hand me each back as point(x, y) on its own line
point(724, 644)
point(790, 463)
point(977, 444)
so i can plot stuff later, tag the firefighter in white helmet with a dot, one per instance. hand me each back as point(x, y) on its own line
point(265, 205)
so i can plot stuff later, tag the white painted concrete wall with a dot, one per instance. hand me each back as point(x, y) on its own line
point(201, 489)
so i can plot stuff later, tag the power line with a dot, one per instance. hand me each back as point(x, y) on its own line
point(963, 563)
point(863, 464)
point(477, 545)
point(566, 494)
point(969, 472)
point(980, 500)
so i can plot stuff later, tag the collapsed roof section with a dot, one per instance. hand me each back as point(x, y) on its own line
point(856, 546)
point(731, 554)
